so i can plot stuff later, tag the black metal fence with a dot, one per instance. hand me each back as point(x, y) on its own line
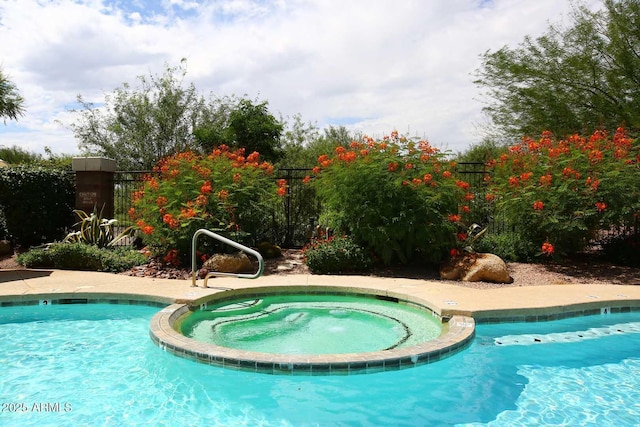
point(291, 224)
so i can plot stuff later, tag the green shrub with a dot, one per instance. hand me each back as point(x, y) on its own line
point(80, 256)
point(225, 192)
point(398, 198)
point(508, 245)
point(37, 204)
point(557, 193)
point(337, 255)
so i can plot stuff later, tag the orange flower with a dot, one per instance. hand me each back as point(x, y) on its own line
point(316, 170)
point(187, 213)
point(253, 157)
point(538, 205)
point(547, 249)
point(465, 209)
point(595, 156)
point(525, 176)
point(206, 188)
point(408, 166)
point(282, 191)
point(545, 180)
point(306, 179)
point(454, 218)
point(393, 166)
point(132, 213)
point(339, 149)
point(201, 200)
point(513, 181)
point(427, 177)
point(462, 236)
point(490, 197)
point(416, 181)
point(469, 196)
point(161, 201)
point(237, 177)
point(454, 252)
point(170, 221)
point(601, 206)
point(223, 194)
point(446, 174)
point(462, 184)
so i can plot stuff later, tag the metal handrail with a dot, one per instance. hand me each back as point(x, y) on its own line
point(228, 242)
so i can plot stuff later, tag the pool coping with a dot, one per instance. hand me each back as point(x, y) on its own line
point(457, 334)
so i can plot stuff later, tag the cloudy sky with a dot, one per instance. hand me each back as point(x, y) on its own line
point(370, 65)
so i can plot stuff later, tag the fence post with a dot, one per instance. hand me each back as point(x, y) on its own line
point(94, 184)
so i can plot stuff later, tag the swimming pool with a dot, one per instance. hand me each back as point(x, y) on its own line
point(95, 365)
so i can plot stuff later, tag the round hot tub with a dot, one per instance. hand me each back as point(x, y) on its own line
point(315, 331)
point(312, 324)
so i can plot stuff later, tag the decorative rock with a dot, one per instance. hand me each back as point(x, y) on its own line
point(476, 268)
point(229, 263)
point(5, 247)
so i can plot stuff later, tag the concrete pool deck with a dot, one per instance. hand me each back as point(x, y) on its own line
point(527, 303)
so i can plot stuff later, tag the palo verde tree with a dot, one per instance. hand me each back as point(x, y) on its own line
point(11, 102)
point(571, 79)
point(139, 126)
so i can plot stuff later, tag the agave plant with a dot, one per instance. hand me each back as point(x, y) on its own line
point(95, 230)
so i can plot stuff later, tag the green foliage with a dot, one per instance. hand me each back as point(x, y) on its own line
point(96, 230)
point(224, 192)
point(398, 198)
point(482, 152)
point(556, 193)
point(570, 80)
point(303, 143)
point(80, 256)
point(11, 102)
point(241, 123)
point(37, 203)
point(18, 156)
point(508, 245)
point(15, 156)
point(337, 255)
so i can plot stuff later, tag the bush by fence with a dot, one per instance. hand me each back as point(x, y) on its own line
point(37, 204)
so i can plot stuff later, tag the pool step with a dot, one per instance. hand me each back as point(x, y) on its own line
point(572, 336)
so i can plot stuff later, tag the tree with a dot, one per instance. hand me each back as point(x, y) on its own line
point(11, 102)
point(241, 123)
point(139, 126)
point(569, 80)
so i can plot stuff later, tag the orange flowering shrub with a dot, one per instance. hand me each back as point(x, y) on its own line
point(397, 198)
point(559, 192)
point(225, 191)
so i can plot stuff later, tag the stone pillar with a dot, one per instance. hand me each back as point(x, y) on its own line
point(94, 184)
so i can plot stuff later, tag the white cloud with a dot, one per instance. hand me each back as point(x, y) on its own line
point(377, 65)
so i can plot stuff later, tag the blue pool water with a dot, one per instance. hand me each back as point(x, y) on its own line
point(95, 365)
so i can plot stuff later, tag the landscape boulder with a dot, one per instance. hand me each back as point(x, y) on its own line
point(229, 263)
point(476, 267)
